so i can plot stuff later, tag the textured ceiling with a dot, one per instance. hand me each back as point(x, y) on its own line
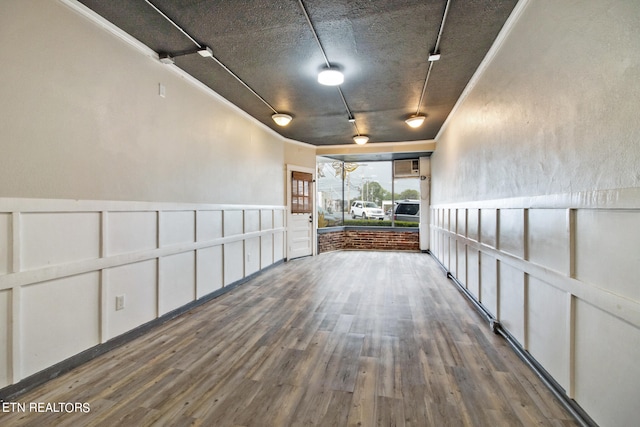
point(382, 47)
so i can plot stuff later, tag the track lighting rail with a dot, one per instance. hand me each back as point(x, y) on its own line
point(200, 46)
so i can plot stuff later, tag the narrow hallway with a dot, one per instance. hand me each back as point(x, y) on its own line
point(344, 338)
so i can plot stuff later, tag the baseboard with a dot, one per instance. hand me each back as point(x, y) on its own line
point(13, 391)
point(569, 404)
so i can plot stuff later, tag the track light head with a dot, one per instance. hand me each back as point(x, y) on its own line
point(205, 52)
point(165, 58)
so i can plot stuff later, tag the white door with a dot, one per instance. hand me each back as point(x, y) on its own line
point(300, 215)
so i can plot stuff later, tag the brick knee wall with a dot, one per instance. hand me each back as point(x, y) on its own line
point(369, 239)
point(333, 241)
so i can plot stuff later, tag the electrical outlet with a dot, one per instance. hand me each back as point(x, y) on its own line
point(248, 257)
point(119, 302)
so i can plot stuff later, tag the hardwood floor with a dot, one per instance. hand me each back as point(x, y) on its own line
point(341, 339)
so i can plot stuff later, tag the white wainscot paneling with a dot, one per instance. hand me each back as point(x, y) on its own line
point(177, 281)
point(433, 245)
point(209, 225)
point(252, 256)
point(461, 270)
point(607, 372)
point(251, 221)
point(432, 240)
point(278, 247)
point(453, 221)
point(266, 251)
point(462, 222)
point(607, 250)
point(233, 222)
point(446, 243)
point(453, 256)
point(131, 232)
point(233, 262)
point(177, 227)
point(547, 335)
point(548, 239)
point(436, 247)
point(60, 318)
point(488, 227)
point(5, 347)
point(473, 224)
point(138, 284)
point(446, 214)
point(473, 272)
point(512, 302)
point(511, 231)
point(69, 237)
point(209, 273)
point(489, 283)
point(266, 219)
point(5, 243)
point(278, 218)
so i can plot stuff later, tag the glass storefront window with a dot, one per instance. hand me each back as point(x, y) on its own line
point(329, 200)
point(364, 194)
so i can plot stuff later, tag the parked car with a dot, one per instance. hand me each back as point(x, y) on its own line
point(366, 210)
point(407, 210)
point(330, 219)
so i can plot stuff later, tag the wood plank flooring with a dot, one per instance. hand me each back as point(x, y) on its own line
point(341, 339)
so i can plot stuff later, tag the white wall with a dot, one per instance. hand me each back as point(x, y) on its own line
point(554, 112)
point(86, 121)
point(108, 189)
point(536, 195)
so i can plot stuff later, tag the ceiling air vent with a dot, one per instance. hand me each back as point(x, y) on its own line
point(406, 168)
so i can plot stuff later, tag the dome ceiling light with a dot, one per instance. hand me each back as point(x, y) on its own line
point(281, 119)
point(330, 76)
point(361, 139)
point(416, 120)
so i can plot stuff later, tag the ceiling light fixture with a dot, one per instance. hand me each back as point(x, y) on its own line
point(416, 120)
point(281, 119)
point(361, 139)
point(330, 76)
point(332, 71)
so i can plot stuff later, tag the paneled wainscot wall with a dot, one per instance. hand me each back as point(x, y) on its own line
point(63, 265)
point(563, 280)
